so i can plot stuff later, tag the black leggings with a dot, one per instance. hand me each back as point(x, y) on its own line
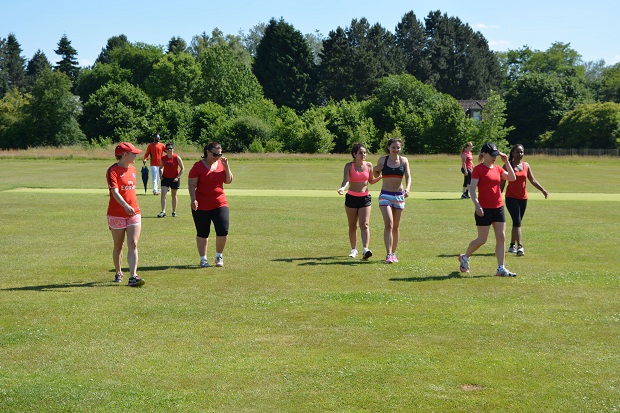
point(516, 209)
point(202, 221)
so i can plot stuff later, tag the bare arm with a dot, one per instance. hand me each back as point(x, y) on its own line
point(229, 175)
point(407, 177)
point(181, 166)
point(345, 178)
point(464, 164)
point(473, 186)
point(372, 179)
point(508, 174)
point(530, 176)
point(376, 171)
point(192, 183)
point(117, 196)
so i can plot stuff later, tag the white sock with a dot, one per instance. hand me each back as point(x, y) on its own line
point(218, 254)
point(203, 257)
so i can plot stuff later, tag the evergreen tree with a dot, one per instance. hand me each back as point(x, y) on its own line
point(113, 43)
point(176, 45)
point(36, 66)
point(68, 63)
point(13, 63)
point(284, 66)
point(411, 40)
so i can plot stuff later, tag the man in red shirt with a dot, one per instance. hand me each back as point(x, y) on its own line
point(155, 151)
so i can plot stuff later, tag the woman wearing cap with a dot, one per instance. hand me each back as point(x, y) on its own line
point(124, 219)
point(205, 183)
point(516, 196)
point(170, 174)
point(357, 175)
point(392, 197)
point(486, 195)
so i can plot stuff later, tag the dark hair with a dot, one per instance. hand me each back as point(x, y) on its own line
point(170, 145)
point(212, 145)
point(512, 151)
point(356, 148)
point(390, 142)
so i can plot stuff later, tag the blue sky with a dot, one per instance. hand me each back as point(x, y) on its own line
point(591, 27)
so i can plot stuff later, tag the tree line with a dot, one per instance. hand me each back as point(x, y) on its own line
point(277, 90)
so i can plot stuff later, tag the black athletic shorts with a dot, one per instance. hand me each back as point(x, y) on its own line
point(352, 201)
point(202, 221)
point(491, 215)
point(169, 182)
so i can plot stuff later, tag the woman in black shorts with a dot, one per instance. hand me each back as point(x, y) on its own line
point(170, 170)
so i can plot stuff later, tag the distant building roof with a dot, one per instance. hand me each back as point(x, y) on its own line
point(470, 105)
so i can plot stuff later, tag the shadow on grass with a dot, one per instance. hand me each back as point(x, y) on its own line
point(325, 261)
point(454, 274)
point(59, 287)
point(488, 254)
point(148, 268)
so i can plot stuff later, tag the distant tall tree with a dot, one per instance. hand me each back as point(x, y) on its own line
point(461, 63)
point(253, 38)
point(14, 63)
point(4, 76)
point(36, 66)
point(68, 63)
point(354, 59)
point(113, 43)
point(175, 76)
point(610, 84)
point(234, 43)
point(411, 40)
point(315, 43)
point(176, 45)
point(138, 58)
point(284, 66)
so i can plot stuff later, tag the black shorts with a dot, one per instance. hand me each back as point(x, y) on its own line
point(491, 215)
point(169, 182)
point(352, 201)
point(516, 209)
point(466, 178)
point(202, 221)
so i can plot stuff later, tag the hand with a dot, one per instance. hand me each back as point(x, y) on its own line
point(175, 179)
point(545, 193)
point(224, 161)
point(406, 193)
point(504, 157)
point(194, 205)
point(341, 191)
point(129, 209)
point(480, 211)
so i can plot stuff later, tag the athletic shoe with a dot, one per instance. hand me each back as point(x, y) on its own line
point(135, 281)
point(389, 258)
point(520, 251)
point(367, 254)
point(512, 249)
point(219, 261)
point(174, 214)
point(464, 261)
point(161, 214)
point(204, 263)
point(394, 259)
point(465, 196)
point(118, 278)
point(503, 272)
point(353, 253)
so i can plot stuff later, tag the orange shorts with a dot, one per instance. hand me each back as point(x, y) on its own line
point(123, 222)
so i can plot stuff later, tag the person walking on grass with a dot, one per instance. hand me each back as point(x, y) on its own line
point(392, 168)
point(516, 196)
point(467, 165)
point(124, 219)
point(155, 151)
point(486, 195)
point(205, 183)
point(357, 176)
point(170, 170)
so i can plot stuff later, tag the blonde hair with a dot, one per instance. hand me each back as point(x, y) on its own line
point(467, 144)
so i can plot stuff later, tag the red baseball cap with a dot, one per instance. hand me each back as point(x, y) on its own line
point(123, 147)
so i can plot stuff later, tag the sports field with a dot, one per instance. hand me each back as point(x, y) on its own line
point(291, 324)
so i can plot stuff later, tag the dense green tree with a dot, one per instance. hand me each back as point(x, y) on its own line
point(609, 87)
point(175, 76)
point(284, 66)
point(253, 38)
point(234, 43)
point(315, 43)
point(13, 109)
point(90, 80)
point(12, 64)
point(353, 60)
point(536, 104)
point(68, 63)
point(118, 112)
point(36, 66)
point(225, 79)
point(316, 138)
point(411, 40)
point(177, 45)
point(53, 112)
point(558, 59)
point(139, 58)
point(589, 126)
point(172, 119)
point(208, 122)
point(349, 123)
point(461, 63)
point(492, 125)
point(289, 130)
point(113, 43)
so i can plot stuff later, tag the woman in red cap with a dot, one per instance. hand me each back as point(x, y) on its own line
point(124, 217)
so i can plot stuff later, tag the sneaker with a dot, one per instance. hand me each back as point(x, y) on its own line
point(204, 263)
point(512, 249)
point(118, 278)
point(520, 251)
point(219, 261)
point(174, 214)
point(389, 258)
point(464, 261)
point(135, 281)
point(353, 253)
point(394, 259)
point(503, 272)
point(367, 254)
point(161, 214)
point(464, 196)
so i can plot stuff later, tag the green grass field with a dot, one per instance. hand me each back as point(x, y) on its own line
point(291, 324)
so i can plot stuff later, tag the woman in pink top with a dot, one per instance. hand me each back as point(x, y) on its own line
point(516, 195)
point(357, 175)
point(467, 166)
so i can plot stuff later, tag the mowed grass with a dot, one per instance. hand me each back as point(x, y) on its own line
point(291, 324)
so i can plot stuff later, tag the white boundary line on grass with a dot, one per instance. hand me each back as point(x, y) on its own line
point(312, 193)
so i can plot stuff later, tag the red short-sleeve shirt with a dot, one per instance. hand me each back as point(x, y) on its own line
point(124, 179)
point(210, 188)
point(489, 191)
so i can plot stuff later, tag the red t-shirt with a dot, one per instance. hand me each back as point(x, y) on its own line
point(171, 166)
point(517, 189)
point(124, 179)
point(469, 159)
point(155, 150)
point(489, 191)
point(210, 188)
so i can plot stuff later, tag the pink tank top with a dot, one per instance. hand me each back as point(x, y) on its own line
point(355, 176)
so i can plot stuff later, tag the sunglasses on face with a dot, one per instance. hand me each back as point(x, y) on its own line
point(217, 155)
point(169, 149)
